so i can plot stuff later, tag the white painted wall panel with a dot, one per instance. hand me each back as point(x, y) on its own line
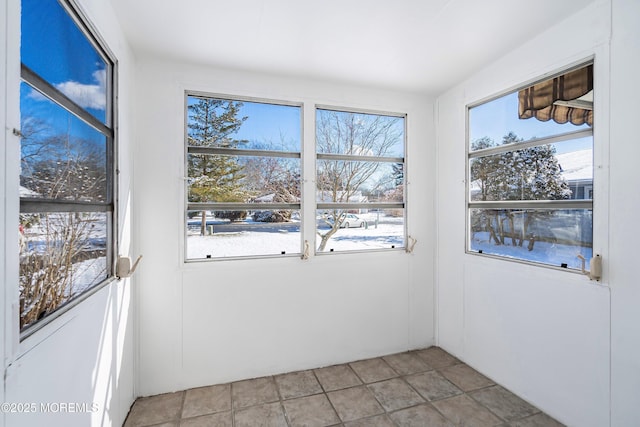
point(85, 356)
point(625, 205)
point(540, 332)
point(203, 323)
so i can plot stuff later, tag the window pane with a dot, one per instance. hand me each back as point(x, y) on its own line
point(359, 134)
point(57, 50)
point(242, 233)
point(61, 256)
point(359, 230)
point(246, 179)
point(255, 159)
point(552, 237)
point(547, 172)
point(246, 125)
point(359, 182)
point(61, 156)
point(495, 119)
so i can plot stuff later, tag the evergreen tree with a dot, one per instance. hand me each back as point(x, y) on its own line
point(531, 173)
point(214, 177)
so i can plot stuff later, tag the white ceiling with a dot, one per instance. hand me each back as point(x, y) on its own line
point(417, 45)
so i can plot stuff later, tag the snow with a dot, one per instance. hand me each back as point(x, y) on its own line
point(253, 239)
point(26, 192)
point(85, 274)
point(543, 252)
point(576, 165)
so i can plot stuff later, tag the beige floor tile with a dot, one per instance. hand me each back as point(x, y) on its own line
point(373, 370)
point(395, 394)
point(169, 424)
point(221, 419)
point(353, 403)
point(377, 421)
point(268, 415)
point(426, 387)
point(407, 363)
point(433, 386)
point(297, 384)
point(420, 416)
point(466, 378)
point(254, 392)
point(437, 358)
point(503, 403)
point(464, 411)
point(538, 420)
point(337, 377)
point(311, 411)
point(206, 400)
point(155, 410)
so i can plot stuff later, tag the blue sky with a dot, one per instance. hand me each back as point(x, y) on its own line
point(55, 48)
point(278, 125)
point(496, 118)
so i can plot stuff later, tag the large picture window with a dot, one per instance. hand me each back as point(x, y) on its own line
point(530, 169)
point(243, 178)
point(67, 203)
point(360, 171)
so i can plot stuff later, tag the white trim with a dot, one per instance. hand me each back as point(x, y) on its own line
point(469, 155)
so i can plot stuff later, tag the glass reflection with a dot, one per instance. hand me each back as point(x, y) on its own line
point(552, 237)
point(61, 256)
point(72, 64)
point(61, 156)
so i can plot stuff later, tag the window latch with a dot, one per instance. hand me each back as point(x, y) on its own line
point(124, 267)
point(595, 267)
point(17, 133)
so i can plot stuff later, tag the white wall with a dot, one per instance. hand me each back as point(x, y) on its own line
point(205, 323)
point(87, 354)
point(625, 205)
point(540, 332)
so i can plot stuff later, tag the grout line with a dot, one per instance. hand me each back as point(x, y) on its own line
point(367, 385)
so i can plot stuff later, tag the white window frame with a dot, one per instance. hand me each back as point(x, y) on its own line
point(109, 130)
point(197, 206)
point(542, 204)
point(369, 205)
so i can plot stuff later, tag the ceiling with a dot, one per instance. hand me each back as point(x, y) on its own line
point(422, 46)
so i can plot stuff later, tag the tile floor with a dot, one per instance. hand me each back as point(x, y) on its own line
point(419, 388)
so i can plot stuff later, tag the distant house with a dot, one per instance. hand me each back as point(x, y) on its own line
point(577, 170)
point(342, 197)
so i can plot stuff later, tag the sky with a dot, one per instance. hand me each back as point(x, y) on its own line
point(279, 124)
point(76, 68)
point(496, 118)
point(69, 62)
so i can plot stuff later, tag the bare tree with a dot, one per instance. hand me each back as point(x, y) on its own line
point(59, 167)
point(354, 135)
point(49, 265)
point(275, 177)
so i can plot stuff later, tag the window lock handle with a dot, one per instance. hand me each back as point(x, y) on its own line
point(595, 267)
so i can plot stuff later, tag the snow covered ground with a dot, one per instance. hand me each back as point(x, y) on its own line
point(48, 233)
point(543, 252)
point(254, 239)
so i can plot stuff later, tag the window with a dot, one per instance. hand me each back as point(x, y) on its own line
point(530, 168)
point(67, 203)
point(360, 171)
point(243, 178)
